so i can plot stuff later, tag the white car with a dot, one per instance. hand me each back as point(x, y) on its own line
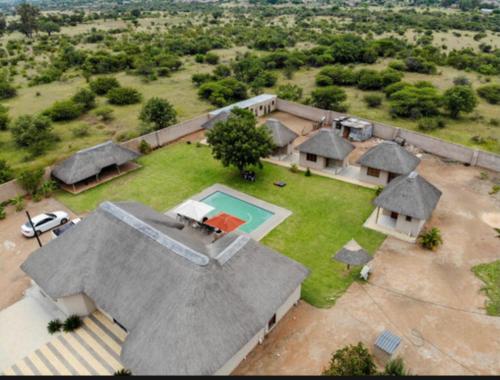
point(44, 222)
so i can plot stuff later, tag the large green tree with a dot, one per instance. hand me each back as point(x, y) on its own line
point(329, 98)
point(158, 112)
point(33, 132)
point(459, 99)
point(28, 15)
point(238, 142)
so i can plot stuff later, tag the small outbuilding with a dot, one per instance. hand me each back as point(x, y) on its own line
point(353, 129)
point(406, 203)
point(386, 161)
point(92, 166)
point(325, 150)
point(259, 105)
point(282, 136)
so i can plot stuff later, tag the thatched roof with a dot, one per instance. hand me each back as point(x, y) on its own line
point(188, 307)
point(89, 162)
point(353, 254)
point(390, 157)
point(410, 195)
point(327, 143)
point(281, 134)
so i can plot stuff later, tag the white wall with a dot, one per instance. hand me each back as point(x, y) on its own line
point(78, 304)
point(231, 365)
point(318, 165)
point(381, 180)
point(409, 228)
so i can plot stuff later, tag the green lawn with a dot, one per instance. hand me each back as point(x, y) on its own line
point(326, 213)
point(490, 275)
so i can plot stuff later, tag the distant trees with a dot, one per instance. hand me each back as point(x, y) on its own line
point(364, 79)
point(86, 98)
point(49, 27)
point(223, 92)
point(33, 133)
point(459, 99)
point(238, 142)
point(329, 98)
point(290, 92)
point(158, 112)
point(28, 15)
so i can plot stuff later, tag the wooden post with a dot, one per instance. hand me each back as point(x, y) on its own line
point(74, 188)
point(118, 168)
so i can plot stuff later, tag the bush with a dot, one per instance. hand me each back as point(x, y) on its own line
point(5, 172)
point(158, 112)
point(294, 168)
point(223, 92)
point(81, 131)
point(7, 90)
point(369, 80)
point(396, 367)
point(373, 100)
point(85, 97)
point(431, 239)
point(123, 96)
point(199, 58)
point(30, 180)
point(351, 361)
point(459, 99)
point(212, 58)
point(415, 102)
point(4, 120)
point(64, 110)
point(290, 92)
point(102, 85)
point(3, 215)
point(328, 98)
point(144, 147)
point(105, 113)
point(308, 172)
point(54, 326)
point(72, 323)
point(47, 188)
point(123, 372)
point(431, 123)
point(490, 92)
point(18, 203)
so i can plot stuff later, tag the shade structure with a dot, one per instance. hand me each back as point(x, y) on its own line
point(353, 254)
point(194, 210)
point(225, 222)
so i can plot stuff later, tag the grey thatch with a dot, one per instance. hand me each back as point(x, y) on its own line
point(353, 254)
point(182, 318)
point(390, 157)
point(327, 143)
point(410, 195)
point(281, 134)
point(223, 116)
point(89, 162)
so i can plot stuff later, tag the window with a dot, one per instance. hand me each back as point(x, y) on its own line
point(271, 323)
point(373, 172)
point(311, 157)
point(408, 218)
point(394, 215)
point(260, 107)
point(272, 103)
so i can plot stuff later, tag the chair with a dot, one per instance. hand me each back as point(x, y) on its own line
point(365, 272)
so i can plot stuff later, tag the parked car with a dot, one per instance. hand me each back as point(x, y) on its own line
point(44, 222)
point(56, 232)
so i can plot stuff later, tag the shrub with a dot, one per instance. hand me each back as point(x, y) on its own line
point(415, 102)
point(54, 326)
point(431, 239)
point(81, 131)
point(4, 118)
point(199, 58)
point(369, 80)
point(3, 215)
point(397, 65)
point(212, 58)
point(351, 361)
point(294, 168)
point(378, 190)
point(85, 97)
point(328, 98)
point(7, 90)
point(158, 112)
point(373, 100)
point(72, 323)
point(461, 80)
point(64, 110)
point(494, 189)
point(18, 203)
point(5, 172)
point(30, 180)
point(123, 96)
point(105, 113)
point(223, 92)
point(47, 188)
point(144, 147)
point(123, 372)
point(490, 92)
point(431, 123)
point(495, 122)
point(102, 85)
point(290, 92)
point(308, 172)
point(396, 367)
point(459, 99)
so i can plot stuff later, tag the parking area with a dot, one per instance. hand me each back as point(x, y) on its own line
point(431, 300)
point(15, 248)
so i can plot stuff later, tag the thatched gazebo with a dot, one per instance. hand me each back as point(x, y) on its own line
point(352, 254)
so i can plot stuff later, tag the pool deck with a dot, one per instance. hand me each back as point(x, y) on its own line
point(279, 213)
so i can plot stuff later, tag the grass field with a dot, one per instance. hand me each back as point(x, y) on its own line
point(326, 213)
point(490, 275)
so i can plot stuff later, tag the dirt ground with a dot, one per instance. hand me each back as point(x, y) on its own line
point(431, 300)
point(15, 248)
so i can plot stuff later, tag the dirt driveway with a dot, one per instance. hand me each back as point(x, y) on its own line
point(431, 299)
point(15, 248)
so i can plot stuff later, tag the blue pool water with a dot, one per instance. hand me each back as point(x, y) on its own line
point(253, 215)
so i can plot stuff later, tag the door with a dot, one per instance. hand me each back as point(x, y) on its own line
point(394, 215)
point(391, 177)
point(345, 134)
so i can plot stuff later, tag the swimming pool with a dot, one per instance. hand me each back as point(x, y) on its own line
point(254, 216)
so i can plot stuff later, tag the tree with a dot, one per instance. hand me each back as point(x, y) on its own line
point(223, 92)
point(238, 141)
point(290, 92)
point(328, 98)
point(373, 100)
point(28, 15)
point(415, 102)
point(459, 99)
point(5, 172)
point(49, 27)
point(30, 180)
point(64, 110)
point(158, 112)
point(490, 92)
point(102, 85)
point(123, 96)
point(33, 132)
point(85, 97)
point(351, 361)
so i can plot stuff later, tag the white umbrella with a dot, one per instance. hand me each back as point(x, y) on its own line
point(194, 210)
